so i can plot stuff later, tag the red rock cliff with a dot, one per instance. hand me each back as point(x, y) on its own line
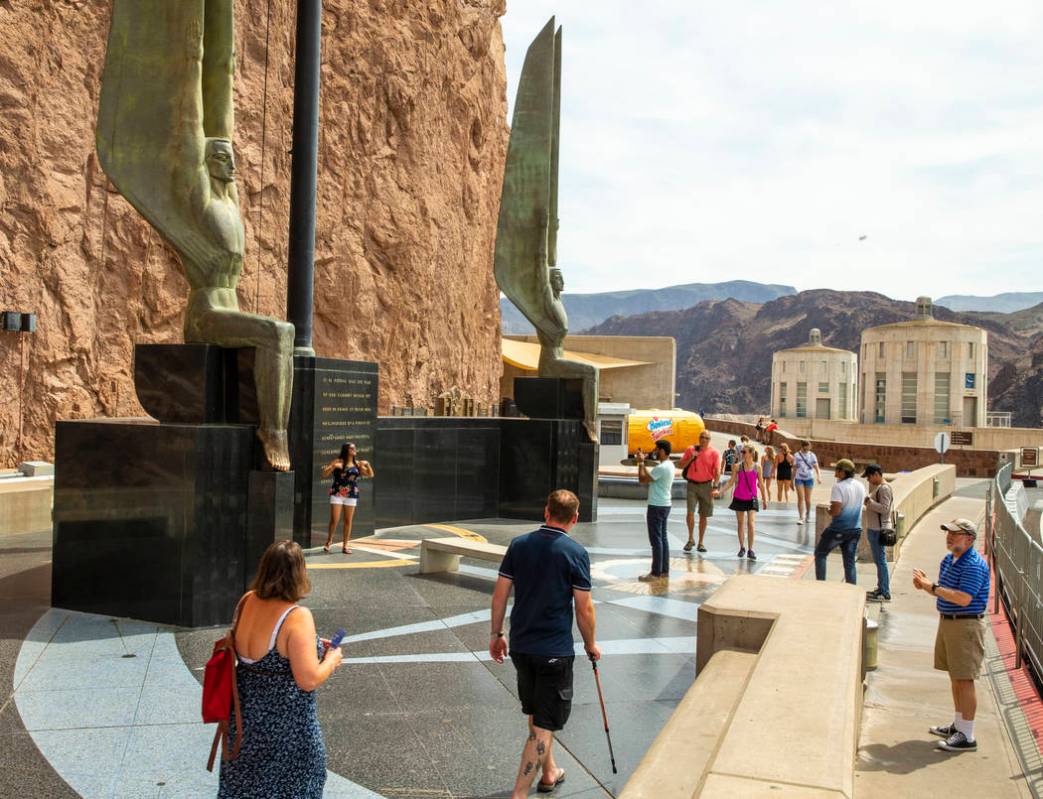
point(410, 166)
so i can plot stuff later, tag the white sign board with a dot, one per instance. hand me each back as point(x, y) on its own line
point(941, 443)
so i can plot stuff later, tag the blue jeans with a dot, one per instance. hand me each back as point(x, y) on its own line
point(847, 540)
point(883, 577)
point(656, 517)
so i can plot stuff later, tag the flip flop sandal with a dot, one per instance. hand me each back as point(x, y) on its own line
point(546, 787)
point(345, 550)
point(326, 549)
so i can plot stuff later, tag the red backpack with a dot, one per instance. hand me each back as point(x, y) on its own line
point(221, 694)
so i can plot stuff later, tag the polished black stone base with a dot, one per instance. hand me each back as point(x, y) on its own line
point(549, 397)
point(334, 402)
point(163, 522)
point(443, 468)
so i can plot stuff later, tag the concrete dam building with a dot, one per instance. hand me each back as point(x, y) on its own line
point(924, 371)
point(813, 381)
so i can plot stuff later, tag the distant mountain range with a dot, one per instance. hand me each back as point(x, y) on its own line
point(587, 310)
point(724, 347)
point(999, 303)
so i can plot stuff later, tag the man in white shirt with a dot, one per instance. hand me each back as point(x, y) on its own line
point(845, 506)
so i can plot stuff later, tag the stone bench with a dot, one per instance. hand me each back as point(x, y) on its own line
point(776, 706)
point(443, 554)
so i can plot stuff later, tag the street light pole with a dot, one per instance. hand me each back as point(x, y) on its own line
point(300, 276)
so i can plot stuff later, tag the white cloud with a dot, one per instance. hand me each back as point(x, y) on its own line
point(704, 141)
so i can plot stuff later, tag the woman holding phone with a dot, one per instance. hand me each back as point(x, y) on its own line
point(344, 493)
point(281, 663)
point(748, 481)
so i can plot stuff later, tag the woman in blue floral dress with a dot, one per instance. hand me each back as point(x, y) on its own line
point(281, 663)
point(344, 493)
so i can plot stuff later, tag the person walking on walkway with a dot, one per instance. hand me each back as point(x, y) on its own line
point(845, 506)
point(807, 473)
point(730, 456)
point(549, 572)
point(879, 503)
point(783, 473)
point(747, 481)
point(281, 663)
point(701, 466)
point(660, 481)
point(768, 469)
point(962, 593)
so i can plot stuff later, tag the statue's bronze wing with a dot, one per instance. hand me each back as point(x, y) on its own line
point(151, 128)
point(526, 232)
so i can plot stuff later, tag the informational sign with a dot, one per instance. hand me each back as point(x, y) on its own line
point(962, 438)
point(941, 443)
point(1029, 457)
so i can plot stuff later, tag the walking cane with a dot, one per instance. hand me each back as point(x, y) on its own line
point(604, 715)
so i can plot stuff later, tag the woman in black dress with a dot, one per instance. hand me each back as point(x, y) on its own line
point(344, 493)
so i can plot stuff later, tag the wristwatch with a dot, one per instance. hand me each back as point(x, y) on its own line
point(934, 587)
point(498, 635)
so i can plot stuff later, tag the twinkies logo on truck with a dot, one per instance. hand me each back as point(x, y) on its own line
point(660, 428)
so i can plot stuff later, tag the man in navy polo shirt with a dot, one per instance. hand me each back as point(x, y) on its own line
point(959, 647)
point(548, 571)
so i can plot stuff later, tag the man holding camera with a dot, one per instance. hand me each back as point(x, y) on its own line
point(962, 593)
point(880, 529)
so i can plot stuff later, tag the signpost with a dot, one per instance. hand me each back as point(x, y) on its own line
point(1029, 457)
point(962, 438)
point(941, 444)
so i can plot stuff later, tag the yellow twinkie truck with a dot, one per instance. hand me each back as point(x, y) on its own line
point(680, 428)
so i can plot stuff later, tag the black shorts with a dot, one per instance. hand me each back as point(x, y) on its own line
point(545, 689)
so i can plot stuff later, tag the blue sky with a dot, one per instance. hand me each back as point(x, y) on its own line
point(706, 141)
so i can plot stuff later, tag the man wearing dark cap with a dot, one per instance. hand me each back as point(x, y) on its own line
point(962, 593)
point(879, 524)
point(845, 506)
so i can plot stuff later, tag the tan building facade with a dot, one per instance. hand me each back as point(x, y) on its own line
point(924, 372)
point(638, 370)
point(814, 382)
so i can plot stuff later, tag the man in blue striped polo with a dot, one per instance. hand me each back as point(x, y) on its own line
point(959, 647)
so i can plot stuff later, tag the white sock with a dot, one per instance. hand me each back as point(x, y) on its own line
point(967, 728)
point(956, 719)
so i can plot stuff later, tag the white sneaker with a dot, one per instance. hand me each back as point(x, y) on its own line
point(800, 520)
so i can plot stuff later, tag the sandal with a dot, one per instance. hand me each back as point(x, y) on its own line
point(548, 787)
point(345, 550)
point(326, 549)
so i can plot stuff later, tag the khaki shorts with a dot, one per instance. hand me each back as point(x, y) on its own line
point(959, 647)
point(701, 494)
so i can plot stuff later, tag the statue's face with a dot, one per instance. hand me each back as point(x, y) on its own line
point(220, 160)
point(557, 281)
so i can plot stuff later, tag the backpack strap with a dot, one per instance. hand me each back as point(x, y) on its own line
point(222, 732)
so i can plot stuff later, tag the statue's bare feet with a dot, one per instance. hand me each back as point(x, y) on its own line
point(276, 449)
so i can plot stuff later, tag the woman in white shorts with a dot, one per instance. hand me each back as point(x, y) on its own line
point(344, 493)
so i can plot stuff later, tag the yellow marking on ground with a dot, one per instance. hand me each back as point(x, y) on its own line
point(372, 564)
point(470, 535)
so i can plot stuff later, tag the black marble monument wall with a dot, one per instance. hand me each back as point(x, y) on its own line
point(334, 402)
point(549, 397)
point(152, 521)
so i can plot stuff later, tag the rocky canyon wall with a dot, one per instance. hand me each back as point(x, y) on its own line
point(412, 146)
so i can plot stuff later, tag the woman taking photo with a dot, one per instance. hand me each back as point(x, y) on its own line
point(344, 493)
point(783, 473)
point(748, 481)
point(768, 468)
point(281, 663)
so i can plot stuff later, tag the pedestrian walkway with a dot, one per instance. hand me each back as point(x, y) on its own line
point(906, 695)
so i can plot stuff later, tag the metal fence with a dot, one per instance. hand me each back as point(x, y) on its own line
point(1017, 560)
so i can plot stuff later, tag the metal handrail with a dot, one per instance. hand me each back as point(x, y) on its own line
point(1017, 560)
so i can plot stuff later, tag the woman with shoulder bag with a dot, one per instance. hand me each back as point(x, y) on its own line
point(879, 503)
point(747, 480)
point(281, 663)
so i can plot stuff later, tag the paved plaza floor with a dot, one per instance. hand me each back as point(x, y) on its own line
point(103, 707)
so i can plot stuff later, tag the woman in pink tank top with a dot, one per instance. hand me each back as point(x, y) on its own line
point(748, 481)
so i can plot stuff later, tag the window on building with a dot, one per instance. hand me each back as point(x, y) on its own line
point(908, 397)
point(865, 351)
point(802, 367)
point(611, 431)
point(943, 349)
point(825, 367)
point(823, 388)
point(802, 400)
point(910, 349)
point(842, 410)
point(941, 398)
point(970, 380)
point(970, 350)
point(843, 367)
point(880, 401)
point(784, 367)
point(782, 399)
point(880, 354)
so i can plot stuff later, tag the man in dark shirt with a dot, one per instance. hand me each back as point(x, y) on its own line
point(548, 571)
